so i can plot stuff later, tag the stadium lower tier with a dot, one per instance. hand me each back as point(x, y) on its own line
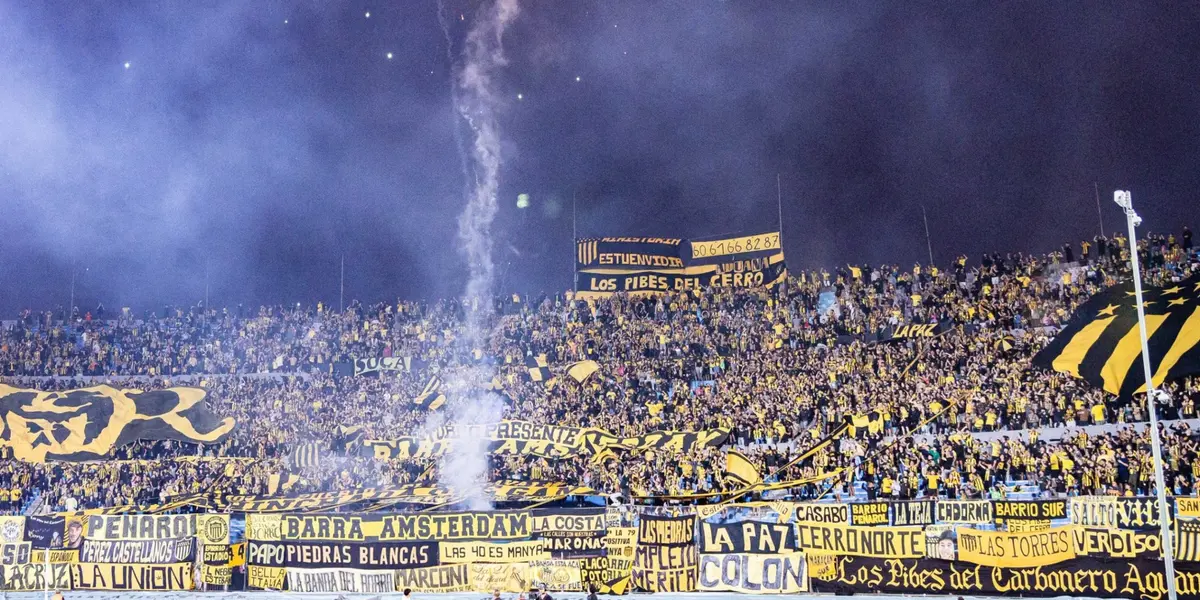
point(1096, 546)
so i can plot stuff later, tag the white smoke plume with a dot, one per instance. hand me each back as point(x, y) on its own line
point(475, 101)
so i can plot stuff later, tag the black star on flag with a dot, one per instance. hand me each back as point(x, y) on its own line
point(1101, 343)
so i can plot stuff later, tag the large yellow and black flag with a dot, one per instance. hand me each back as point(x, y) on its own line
point(89, 423)
point(1101, 343)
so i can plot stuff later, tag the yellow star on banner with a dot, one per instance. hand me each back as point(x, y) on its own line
point(1108, 310)
point(1177, 302)
point(1174, 290)
point(1131, 293)
point(1197, 288)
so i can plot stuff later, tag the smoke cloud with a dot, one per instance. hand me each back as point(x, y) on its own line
point(476, 103)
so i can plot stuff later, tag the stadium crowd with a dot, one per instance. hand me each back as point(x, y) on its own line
point(781, 368)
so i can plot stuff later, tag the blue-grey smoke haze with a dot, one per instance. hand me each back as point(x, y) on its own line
point(259, 142)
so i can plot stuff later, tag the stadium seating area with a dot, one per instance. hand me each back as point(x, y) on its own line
point(781, 368)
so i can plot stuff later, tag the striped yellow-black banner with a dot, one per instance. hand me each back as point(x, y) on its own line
point(1101, 343)
point(431, 397)
point(740, 469)
point(307, 454)
point(277, 482)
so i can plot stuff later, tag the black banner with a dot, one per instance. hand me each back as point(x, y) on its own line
point(964, 511)
point(45, 532)
point(375, 555)
point(1028, 510)
point(915, 330)
point(869, 513)
point(751, 273)
point(747, 537)
point(665, 559)
point(1103, 578)
point(162, 551)
point(628, 253)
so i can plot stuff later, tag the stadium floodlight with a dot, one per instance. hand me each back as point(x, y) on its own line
point(1125, 201)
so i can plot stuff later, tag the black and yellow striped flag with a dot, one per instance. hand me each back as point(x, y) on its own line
point(580, 371)
point(740, 469)
point(307, 454)
point(539, 368)
point(277, 482)
point(1187, 539)
point(1101, 343)
point(431, 398)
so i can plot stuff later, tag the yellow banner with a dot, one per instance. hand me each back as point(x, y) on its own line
point(739, 245)
point(1017, 550)
point(512, 577)
point(56, 556)
point(106, 576)
point(846, 540)
point(212, 529)
point(1115, 543)
point(434, 580)
point(1187, 507)
point(488, 552)
point(557, 575)
point(498, 525)
point(265, 578)
point(12, 529)
point(754, 573)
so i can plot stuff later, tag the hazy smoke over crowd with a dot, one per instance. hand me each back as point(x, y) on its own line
point(475, 102)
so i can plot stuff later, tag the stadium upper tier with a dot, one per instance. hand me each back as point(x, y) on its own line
point(940, 350)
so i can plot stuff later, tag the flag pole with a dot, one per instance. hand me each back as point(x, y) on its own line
point(575, 245)
point(1099, 213)
point(928, 243)
point(779, 206)
point(1125, 201)
point(342, 286)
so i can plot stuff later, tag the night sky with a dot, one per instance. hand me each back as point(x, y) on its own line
point(145, 144)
